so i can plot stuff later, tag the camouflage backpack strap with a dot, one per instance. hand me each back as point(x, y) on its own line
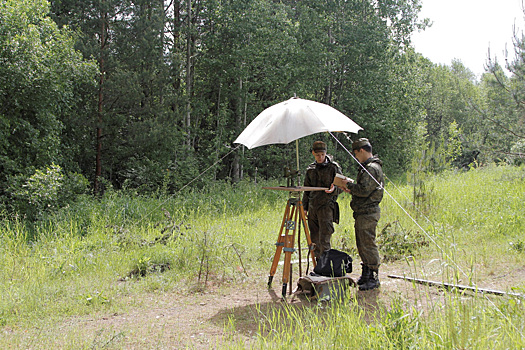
point(311, 166)
point(338, 168)
point(379, 170)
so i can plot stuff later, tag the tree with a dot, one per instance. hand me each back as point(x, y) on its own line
point(138, 120)
point(506, 101)
point(376, 78)
point(243, 67)
point(39, 75)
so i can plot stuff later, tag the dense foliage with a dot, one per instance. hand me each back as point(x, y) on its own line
point(40, 76)
point(150, 95)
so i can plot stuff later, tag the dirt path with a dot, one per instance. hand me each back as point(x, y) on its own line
point(201, 320)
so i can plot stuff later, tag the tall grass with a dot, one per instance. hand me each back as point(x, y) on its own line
point(475, 217)
point(68, 263)
point(469, 230)
point(456, 324)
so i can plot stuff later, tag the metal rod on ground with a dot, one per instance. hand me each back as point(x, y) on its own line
point(449, 286)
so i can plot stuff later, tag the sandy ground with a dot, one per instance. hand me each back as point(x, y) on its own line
point(200, 320)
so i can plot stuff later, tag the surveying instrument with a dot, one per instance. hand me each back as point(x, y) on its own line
point(294, 217)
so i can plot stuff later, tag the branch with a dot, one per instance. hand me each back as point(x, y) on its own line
point(485, 115)
point(521, 155)
point(239, 256)
point(504, 128)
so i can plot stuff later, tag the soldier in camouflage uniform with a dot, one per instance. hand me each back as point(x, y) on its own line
point(367, 193)
point(321, 206)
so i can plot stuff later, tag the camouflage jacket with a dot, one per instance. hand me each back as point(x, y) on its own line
point(366, 193)
point(320, 175)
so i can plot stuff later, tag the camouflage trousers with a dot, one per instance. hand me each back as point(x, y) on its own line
point(321, 226)
point(365, 238)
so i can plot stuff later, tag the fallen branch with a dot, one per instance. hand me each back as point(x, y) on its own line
point(239, 256)
point(449, 286)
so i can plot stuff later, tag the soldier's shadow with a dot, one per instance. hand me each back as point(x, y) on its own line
point(367, 301)
point(253, 319)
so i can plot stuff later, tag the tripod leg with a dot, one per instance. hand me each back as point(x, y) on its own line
point(289, 238)
point(306, 231)
point(276, 258)
point(299, 248)
point(279, 244)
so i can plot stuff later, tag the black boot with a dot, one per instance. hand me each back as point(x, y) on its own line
point(372, 282)
point(365, 275)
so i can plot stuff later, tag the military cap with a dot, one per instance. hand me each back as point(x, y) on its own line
point(319, 146)
point(360, 143)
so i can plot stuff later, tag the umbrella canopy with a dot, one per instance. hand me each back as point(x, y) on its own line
point(292, 119)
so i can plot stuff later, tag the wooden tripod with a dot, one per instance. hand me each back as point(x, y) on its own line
point(294, 217)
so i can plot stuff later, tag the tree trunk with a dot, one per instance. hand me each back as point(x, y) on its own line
point(219, 129)
point(98, 162)
point(189, 68)
point(237, 169)
point(327, 98)
point(175, 48)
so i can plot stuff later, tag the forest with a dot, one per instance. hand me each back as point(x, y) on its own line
point(150, 95)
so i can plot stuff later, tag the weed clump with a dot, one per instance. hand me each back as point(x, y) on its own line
point(396, 243)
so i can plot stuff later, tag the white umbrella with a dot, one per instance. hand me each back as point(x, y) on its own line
point(292, 119)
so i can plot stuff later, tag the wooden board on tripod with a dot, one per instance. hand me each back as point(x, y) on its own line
point(297, 188)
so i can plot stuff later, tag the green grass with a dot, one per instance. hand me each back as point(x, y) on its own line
point(468, 229)
point(461, 325)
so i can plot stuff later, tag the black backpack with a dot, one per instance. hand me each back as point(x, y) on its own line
point(333, 263)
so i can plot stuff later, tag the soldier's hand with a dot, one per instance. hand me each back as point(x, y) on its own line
point(332, 188)
point(347, 181)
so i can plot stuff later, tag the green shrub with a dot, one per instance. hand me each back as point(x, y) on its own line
point(518, 153)
point(46, 190)
point(396, 242)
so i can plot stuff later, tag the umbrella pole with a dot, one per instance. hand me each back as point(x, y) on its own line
point(297, 157)
point(297, 153)
point(298, 184)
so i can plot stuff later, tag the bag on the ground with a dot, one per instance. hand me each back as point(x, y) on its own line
point(333, 263)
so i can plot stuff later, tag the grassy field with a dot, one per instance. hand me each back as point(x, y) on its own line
point(103, 257)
